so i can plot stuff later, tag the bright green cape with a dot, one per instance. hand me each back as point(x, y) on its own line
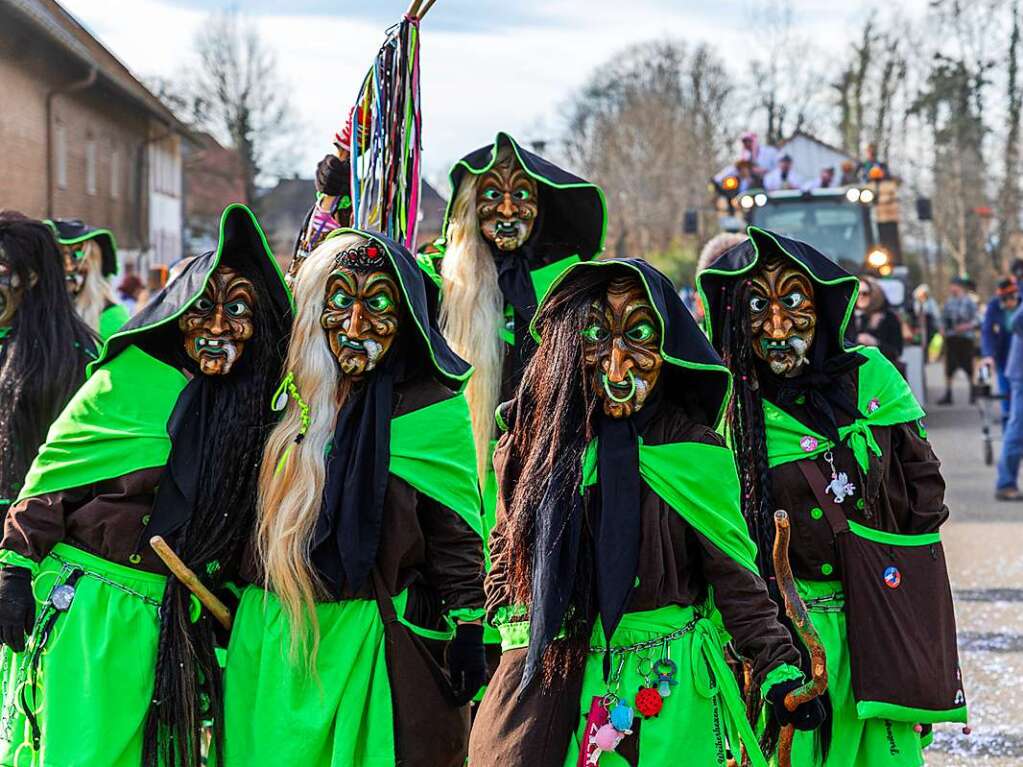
point(883, 399)
point(115, 424)
point(433, 450)
point(111, 320)
point(678, 473)
point(117, 421)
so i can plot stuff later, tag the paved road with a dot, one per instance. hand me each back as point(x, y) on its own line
point(984, 546)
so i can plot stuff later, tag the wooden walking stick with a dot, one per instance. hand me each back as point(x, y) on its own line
point(795, 609)
point(191, 581)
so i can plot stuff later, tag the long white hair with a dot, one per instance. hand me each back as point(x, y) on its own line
point(293, 474)
point(472, 314)
point(97, 292)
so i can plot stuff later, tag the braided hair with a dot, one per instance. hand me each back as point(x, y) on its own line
point(189, 687)
point(744, 420)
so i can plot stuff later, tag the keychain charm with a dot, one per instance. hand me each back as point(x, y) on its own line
point(840, 486)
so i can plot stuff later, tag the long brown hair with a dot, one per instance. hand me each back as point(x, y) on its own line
point(553, 425)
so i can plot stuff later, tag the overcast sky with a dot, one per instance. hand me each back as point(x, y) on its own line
point(487, 65)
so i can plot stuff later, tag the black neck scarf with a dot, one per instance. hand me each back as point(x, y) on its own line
point(193, 414)
point(822, 388)
point(347, 534)
point(616, 534)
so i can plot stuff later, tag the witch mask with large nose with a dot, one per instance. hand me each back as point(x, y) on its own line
point(783, 316)
point(621, 348)
point(361, 311)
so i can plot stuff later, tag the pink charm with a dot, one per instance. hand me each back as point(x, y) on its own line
point(873, 405)
point(808, 443)
point(608, 738)
point(595, 720)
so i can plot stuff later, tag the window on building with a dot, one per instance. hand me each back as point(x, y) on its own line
point(115, 174)
point(90, 166)
point(60, 154)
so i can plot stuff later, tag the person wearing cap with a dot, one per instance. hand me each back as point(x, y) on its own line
point(959, 326)
point(996, 336)
point(90, 261)
point(782, 177)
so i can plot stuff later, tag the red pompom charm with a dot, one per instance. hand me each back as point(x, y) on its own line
point(649, 702)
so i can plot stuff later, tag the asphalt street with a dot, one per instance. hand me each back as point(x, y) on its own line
point(984, 548)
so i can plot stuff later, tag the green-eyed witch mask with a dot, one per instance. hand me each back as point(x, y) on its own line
point(218, 323)
point(783, 316)
point(621, 347)
point(506, 204)
point(361, 309)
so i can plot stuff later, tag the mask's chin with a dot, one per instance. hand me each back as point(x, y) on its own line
point(785, 357)
point(621, 400)
point(356, 356)
point(508, 235)
point(216, 356)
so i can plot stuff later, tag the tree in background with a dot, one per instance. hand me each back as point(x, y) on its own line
point(782, 90)
point(651, 125)
point(233, 89)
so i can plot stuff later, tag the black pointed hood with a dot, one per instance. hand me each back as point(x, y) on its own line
point(241, 245)
point(422, 297)
point(72, 231)
point(693, 370)
point(836, 288)
point(573, 211)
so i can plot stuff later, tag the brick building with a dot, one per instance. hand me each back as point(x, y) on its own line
point(82, 137)
point(213, 180)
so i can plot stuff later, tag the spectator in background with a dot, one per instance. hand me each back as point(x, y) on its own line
point(763, 157)
point(782, 177)
point(824, 181)
point(130, 288)
point(876, 323)
point(996, 336)
point(873, 169)
point(959, 325)
point(924, 316)
point(849, 174)
point(1007, 484)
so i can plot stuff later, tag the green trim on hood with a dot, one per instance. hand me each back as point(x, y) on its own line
point(750, 231)
point(423, 332)
point(689, 365)
point(89, 236)
point(102, 359)
point(495, 148)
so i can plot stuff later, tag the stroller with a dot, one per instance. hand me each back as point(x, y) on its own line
point(989, 405)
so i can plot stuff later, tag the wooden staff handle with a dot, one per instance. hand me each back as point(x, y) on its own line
point(796, 611)
point(191, 581)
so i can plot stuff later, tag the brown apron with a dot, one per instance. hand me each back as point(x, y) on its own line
point(900, 618)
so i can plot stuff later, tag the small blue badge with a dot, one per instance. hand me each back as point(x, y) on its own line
point(892, 577)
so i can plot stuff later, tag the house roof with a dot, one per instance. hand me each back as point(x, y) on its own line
point(811, 137)
point(66, 32)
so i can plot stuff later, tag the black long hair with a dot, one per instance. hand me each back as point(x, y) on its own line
point(553, 424)
point(745, 422)
point(188, 687)
point(46, 350)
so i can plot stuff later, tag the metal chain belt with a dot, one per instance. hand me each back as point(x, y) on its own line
point(650, 643)
point(68, 567)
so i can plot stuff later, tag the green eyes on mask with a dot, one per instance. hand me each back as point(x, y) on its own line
point(640, 333)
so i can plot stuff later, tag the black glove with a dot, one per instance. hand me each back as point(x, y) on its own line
point(808, 716)
point(17, 606)
point(332, 176)
point(467, 662)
